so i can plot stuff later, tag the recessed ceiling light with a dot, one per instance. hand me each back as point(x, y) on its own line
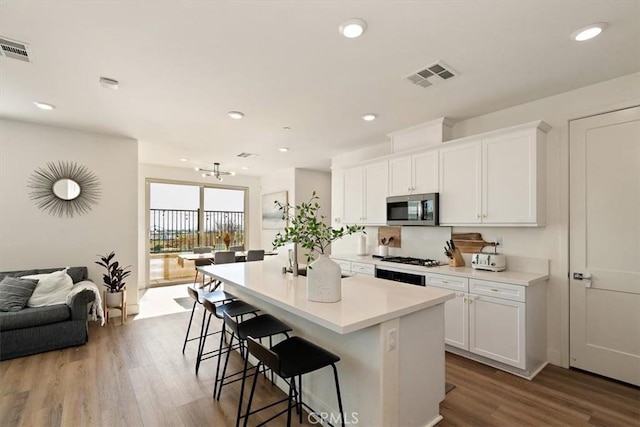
point(245, 168)
point(353, 28)
point(283, 149)
point(44, 106)
point(368, 117)
point(237, 115)
point(183, 159)
point(588, 32)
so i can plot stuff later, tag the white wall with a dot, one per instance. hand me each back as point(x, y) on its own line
point(32, 238)
point(299, 184)
point(189, 176)
point(550, 242)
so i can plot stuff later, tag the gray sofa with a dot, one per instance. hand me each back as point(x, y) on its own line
point(38, 329)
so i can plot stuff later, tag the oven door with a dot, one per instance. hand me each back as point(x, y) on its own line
point(400, 276)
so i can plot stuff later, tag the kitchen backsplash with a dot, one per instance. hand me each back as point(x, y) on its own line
point(421, 242)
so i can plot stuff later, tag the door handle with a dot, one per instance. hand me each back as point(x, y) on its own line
point(586, 278)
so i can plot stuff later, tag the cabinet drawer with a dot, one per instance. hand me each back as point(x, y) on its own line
point(345, 266)
point(497, 290)
point(454, 283)
point(362, 268)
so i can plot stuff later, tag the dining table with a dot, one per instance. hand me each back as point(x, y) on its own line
point(190, 256)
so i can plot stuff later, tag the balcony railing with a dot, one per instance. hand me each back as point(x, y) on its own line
point(174, 230)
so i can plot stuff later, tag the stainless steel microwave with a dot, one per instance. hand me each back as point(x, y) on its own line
point(414, 209)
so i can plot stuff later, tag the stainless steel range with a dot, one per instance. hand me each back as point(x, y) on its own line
point(425, 262)
point(405, 276)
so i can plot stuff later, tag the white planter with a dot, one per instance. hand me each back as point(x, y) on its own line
point(114, 299)
point(324, 281)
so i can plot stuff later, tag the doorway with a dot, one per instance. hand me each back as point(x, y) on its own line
point(183, 216)
point(604, 239)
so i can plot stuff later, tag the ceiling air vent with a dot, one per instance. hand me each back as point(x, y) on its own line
point(245, 155)
point(14, 49)
point(435, 73)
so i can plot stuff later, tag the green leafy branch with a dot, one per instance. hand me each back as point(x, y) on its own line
point(308, 229)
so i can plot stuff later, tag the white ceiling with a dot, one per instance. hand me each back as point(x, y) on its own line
point(182, 65)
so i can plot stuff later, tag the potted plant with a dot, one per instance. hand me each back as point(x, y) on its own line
point(307, 228)
point(113, 279)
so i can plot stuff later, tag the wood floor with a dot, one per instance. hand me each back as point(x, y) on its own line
point(136, 375)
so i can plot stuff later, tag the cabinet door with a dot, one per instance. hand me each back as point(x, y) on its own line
point(353, 195)
point(363, 268)
point(456, 321)
point(509, 179)
point(345, 265)
point(400, 176)
point(497, 329)
point(460, 182)
point(425, 172)
point(376, 188)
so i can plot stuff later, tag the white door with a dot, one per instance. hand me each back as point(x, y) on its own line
point(605, 244)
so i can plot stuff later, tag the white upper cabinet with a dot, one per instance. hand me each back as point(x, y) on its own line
point(400, 176)
point(425, 168)
point(496, 179)
point(353, 195)
point(460, 183)
point(365, 194)
point(414, 174)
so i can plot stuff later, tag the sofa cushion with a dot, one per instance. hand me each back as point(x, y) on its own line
point(52, 288)
point(36, 316)
point(15, 292)
point(78, 274)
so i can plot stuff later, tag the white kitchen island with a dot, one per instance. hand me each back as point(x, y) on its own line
point(389, 336)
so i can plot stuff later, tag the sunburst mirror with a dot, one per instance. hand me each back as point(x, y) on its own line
point(64, 188)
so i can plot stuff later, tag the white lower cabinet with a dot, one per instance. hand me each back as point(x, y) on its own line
point(363, 268)
point(345, 265)
point(501, 322)
point(354, 267)
point(496, 329)
point(456, 317)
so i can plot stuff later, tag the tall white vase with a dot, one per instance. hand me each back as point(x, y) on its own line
point(324, 281)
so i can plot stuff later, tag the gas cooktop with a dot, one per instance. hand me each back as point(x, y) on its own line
point(425, 262)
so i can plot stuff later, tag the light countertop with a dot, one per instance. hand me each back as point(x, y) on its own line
point(366, 301)
point(508, 276)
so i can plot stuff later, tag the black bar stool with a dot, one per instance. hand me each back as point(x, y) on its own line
point(262, 326)
point(289, 359)
point(198, 295)
point(233, 309)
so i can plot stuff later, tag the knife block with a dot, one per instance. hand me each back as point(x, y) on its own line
point(457, 260)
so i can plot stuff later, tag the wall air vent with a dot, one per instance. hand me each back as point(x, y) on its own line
point(435, 73)
point(14, 49)
point(245, 155)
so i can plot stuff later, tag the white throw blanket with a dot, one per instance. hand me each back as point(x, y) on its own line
point(95, 307)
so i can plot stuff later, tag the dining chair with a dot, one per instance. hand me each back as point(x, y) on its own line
point(239, 248)
point(201, 262)
point(203, 249)
point(224, 257)
point(255, 255)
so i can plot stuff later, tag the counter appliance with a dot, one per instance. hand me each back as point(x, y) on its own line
point(490, 262)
